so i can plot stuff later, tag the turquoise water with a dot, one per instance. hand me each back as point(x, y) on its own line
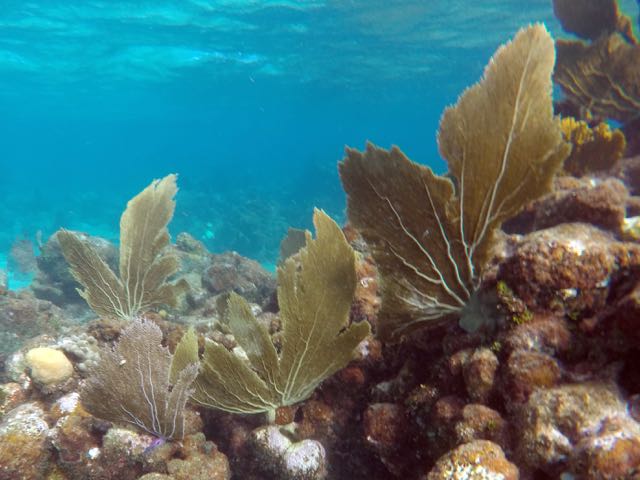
point(250, 102)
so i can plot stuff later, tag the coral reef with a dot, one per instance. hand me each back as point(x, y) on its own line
point(547, 387)
point(4, 282)
point(22, 258)
point(230, 272)
point(198, 459)
point(554, 421)
point(194, 259)
point(82, 348)
point(22, 317)
point(571, 267)
point(24, 452)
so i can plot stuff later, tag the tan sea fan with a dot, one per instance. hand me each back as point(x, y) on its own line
point(131, 383)
point(430, 235)
point(602, 78)
point(316, 339)
point(145, 265)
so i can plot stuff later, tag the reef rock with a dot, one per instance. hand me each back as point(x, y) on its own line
point(4, 282)
point(53, 280)
point(482, 423)
point(601, 203)
point(194, 259)
point(76, 446)
point(22, 317)
point(611, 453)
point(628, 170)
point(619, 323)
point(12, 394)
point(479, 373)
point(274, 455)
point(440, 430)
point(385, 427)
point(561, 428)
point(24, 449)
point(547, 334)
point(479, 459)
point(199, 459)
point(527, 371)
point(231, 272)
point(567, 268)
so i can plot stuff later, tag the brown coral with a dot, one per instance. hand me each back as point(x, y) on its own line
point(591, 18)
point(594, 149)
point(602, 78)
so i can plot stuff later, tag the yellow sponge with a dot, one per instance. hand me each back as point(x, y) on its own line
point(48, 365)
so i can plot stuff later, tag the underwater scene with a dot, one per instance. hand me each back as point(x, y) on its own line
point(320, 240)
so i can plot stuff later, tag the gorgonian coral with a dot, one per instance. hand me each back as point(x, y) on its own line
point(431, 235)
point(145, 264)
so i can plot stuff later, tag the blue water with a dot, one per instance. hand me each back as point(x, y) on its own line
point(251, 102)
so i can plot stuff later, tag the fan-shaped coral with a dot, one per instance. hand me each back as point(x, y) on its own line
point(431, 236)
point(317, 340)
point(144, 265)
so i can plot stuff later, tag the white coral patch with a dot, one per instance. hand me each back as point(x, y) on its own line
point(472, 472)
point(576, 246)
point(68, 403)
